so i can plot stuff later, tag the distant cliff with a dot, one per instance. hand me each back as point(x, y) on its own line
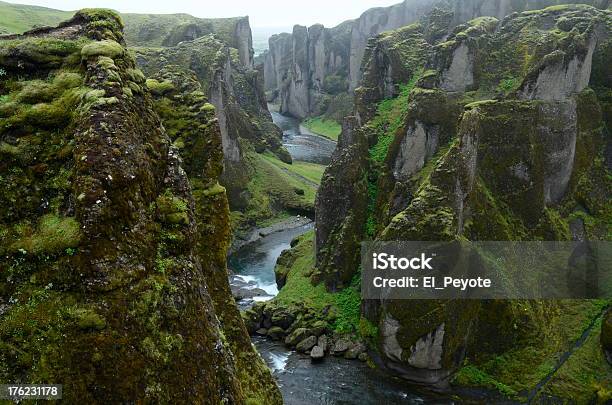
point(154, 30)
point(305, 71)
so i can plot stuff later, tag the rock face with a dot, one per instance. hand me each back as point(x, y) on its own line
point(308, 69)
point(464, 138)
point(194, 131)
point(112, 284)
point(303, 70)
point(167, 30)
point(236, 92)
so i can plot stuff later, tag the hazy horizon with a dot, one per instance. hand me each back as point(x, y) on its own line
point(274, 15)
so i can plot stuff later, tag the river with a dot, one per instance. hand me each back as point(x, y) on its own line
point(301, 143)
point(335, 380)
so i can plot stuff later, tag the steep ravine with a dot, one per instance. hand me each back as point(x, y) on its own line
point(335, 380)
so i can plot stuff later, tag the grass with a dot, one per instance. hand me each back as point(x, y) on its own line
point(298, 290)
point(324, 127)
point(508, 373)
point(309, 171)
point(53, 234)
point(585, 375)
point(390, 117)
point(277, 189)
point(18, 18)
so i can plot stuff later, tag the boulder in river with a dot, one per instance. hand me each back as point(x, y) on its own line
point(283, 318)
point(306, 344)
point(341, 346)
point(276, 333)
point(355, 350)
point(297, 336)
point(322, 342)
point(317, 353)
point(319, 328)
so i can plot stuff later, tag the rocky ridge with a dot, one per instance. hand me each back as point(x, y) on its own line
point(309, 71)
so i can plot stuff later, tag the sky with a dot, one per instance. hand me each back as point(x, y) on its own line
point(268, 13)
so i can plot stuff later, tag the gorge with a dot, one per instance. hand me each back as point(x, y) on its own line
point(171, 232)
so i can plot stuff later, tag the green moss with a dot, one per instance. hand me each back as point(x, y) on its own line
point(214, 190)
point(368, 331)
point(87, 318)
point(472, 376)
point(479, 103)
point(390, 117)
point(207, 107)
point(172, 209)
point(585, 377)
point(53, 234)
point(159, 88)
point(46, 52)
point(107, 48)
point(348, 302)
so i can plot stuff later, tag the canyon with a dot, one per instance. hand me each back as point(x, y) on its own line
point(171, 232)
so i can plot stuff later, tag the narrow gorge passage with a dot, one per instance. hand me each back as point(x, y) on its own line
point(253, 280)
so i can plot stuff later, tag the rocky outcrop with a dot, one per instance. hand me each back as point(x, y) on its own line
point(195, 132)
point(303, 70)
point(117, 244)
point(477, 143)
point(236, 92)
point(312, 59)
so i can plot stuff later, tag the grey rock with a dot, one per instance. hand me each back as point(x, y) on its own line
point(340, 346)
point(297, 336)
point(317, 353)
point(306, 344)
point(355, 350)
point(390, 345)
point(363, 356)
point(323, 342)
point(427, 352)
point(283, 318)
point(319, 327)
point(262, 331)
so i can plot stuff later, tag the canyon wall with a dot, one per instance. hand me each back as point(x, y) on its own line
point(307, 70)
point(113, 279)
point(155, 30)
point(498, 130)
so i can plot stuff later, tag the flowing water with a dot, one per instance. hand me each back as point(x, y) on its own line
point(334, 380)
point(301, 143)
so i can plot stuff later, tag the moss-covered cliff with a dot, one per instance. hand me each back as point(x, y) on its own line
point(191, 124)
point(498, 131)
point(113, 277)
point(257, 191)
